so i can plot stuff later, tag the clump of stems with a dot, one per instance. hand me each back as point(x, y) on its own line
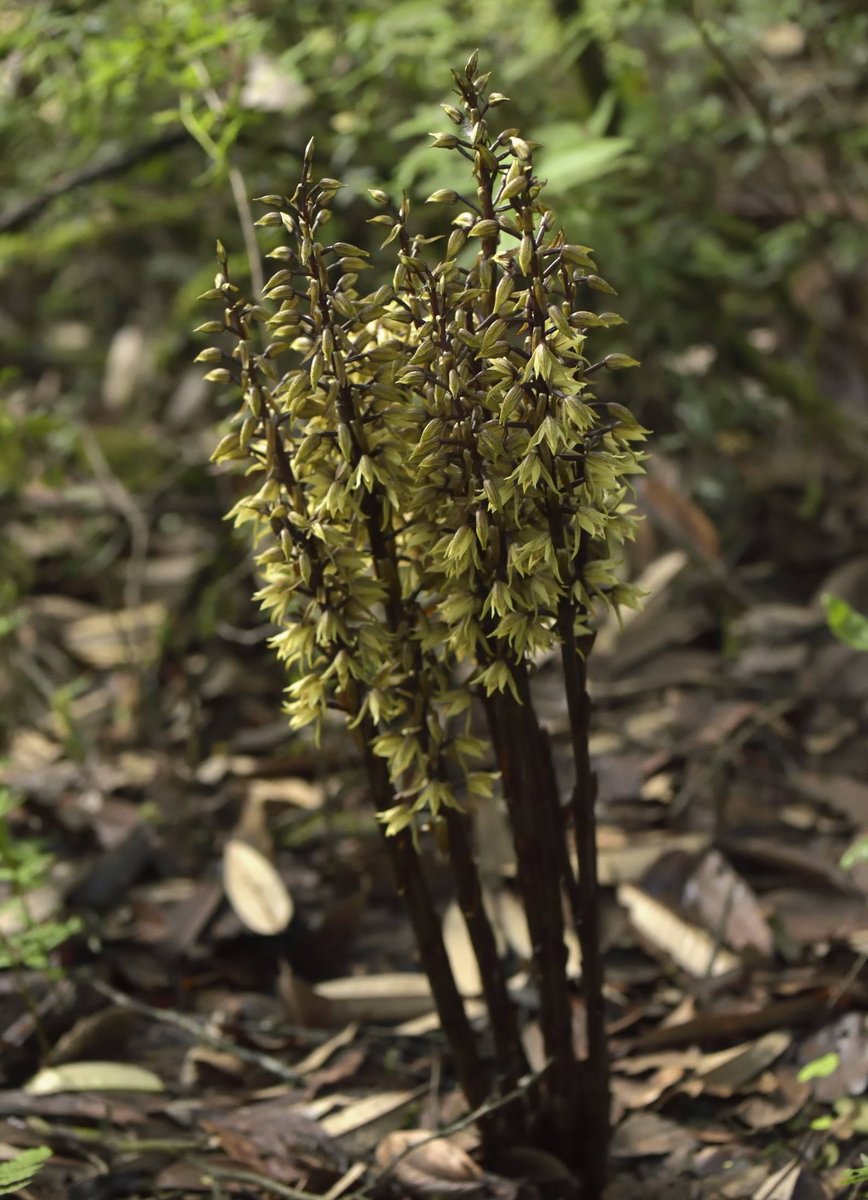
point(437, 498)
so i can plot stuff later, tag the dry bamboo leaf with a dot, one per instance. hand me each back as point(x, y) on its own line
point(512, 923)
point(644, 1134)
point(664, 494)
point(812, 918)
point(493, 840)
point(320, 1055)
point(91, 1033)
point(654, 581)
point(642, 1093)
point(93, 1077)
point(364, 1111)
point(840, 792)
point(629, 862)
point(639, 1064)
point(254, 888)
point(303, 1005)
point(218, 766)
point(128, 638)
point(315, 1110)
point(843, 1045)
point(298, 792)
point(792, 1182)
point(436, 1167)
point(727, 1071)
point(396, 996)
point(788, 1099)
point(689, 947)
point(430, 1022)
point(352, 1175)
point(808, 864)
point(574, 950)
point(460, 951)
point(726, 904)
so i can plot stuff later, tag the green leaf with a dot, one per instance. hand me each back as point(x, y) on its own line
point(17, 1173)
point(848, 626)
point(820, 1068)
point(821, 1124)
point(570, 158)
point(854, 854)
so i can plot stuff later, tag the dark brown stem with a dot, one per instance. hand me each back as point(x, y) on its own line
point(517, 737)
point(413, 889)
point(511, 1057)
point(583, 802)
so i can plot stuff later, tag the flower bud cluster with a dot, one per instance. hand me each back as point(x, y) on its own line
point(433, 483)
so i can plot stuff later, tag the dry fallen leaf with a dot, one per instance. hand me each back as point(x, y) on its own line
point(93, 1077)
point(792, 1182)
point(358, 1113)
point(665, 496)
point(727, 905)
point(319, 1056)
point(788, 1098)
point(845, 795)
point(254, 888)
point(436, 1167)
point(727, 1071)
point(303, 1006)
point(653, 581)
point(128, 638)
point(395, 996)
point(297, 792)
point(812, 918)
point(691, 948)
point(844, 1043)
point(511, 923)
point(429, 1022)
point(642, 1093)
point(646, 1133)
point(460, 950)
point(628, 862)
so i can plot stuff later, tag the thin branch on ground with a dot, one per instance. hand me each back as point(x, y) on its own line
point(471, 1118)
point(199, 1030)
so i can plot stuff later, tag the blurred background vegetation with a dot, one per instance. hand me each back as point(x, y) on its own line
point(713, 152)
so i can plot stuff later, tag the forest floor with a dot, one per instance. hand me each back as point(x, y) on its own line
point(152, 759)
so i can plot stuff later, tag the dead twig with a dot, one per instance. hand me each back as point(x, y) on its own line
point(470, 1118)
point(267, 1062)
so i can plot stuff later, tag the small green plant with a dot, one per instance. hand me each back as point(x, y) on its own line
point(848, 625)
point(858, 1175)
point(19, 1171)
point(437, 497)
point(851, 628)
point(26, 939)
